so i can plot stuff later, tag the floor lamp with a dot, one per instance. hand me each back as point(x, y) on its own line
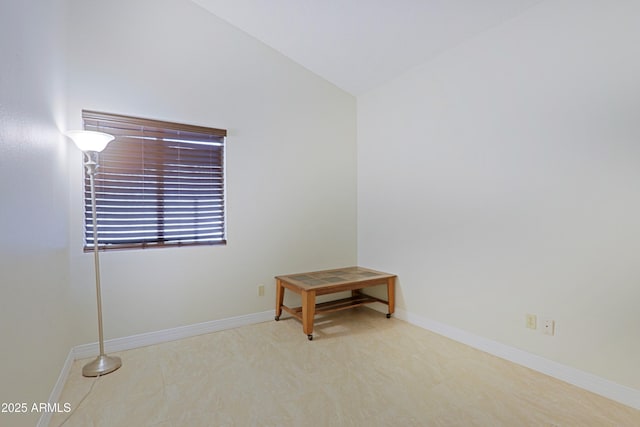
point(91, 143)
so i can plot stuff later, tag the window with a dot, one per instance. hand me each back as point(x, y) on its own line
point(158, 184)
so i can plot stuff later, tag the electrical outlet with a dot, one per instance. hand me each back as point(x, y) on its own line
point(548, 327)
point(260, 290)
point(531, 321)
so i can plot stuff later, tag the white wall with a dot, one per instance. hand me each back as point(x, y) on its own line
point(291, 153)
point(503, 178)
point(34, 271)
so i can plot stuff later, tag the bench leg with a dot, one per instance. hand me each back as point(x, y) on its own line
point(308, 312)
point(391, 295)
point(279, 298)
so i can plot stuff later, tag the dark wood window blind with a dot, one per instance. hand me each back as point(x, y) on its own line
point(158, 184)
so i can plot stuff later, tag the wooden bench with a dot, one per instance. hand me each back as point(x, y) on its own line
point(312, 284)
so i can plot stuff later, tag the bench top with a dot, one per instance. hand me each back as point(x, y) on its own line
point(334, 278)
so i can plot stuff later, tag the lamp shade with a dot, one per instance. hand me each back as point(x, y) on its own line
point(87, 140)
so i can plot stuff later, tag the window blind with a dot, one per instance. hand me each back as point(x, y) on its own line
point(157, 184)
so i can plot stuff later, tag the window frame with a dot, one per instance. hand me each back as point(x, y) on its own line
point(169, 184)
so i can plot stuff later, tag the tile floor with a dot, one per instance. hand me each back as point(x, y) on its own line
point(361, 370)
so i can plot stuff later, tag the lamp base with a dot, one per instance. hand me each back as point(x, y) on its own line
point(102, 365)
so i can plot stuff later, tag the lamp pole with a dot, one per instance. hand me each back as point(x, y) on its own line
point(91, 143)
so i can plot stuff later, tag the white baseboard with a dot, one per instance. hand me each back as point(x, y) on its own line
point(620, 393)
point(54, 397)
point(150, 338)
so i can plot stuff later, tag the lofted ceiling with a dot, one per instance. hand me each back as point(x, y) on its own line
point(360, 44)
